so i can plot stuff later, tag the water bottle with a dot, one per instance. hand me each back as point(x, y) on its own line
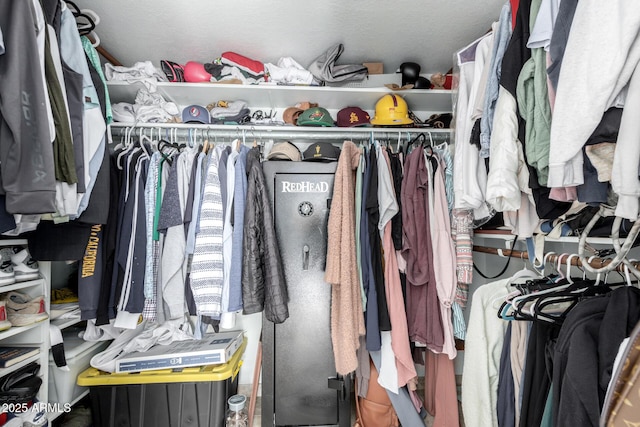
point(236, 414)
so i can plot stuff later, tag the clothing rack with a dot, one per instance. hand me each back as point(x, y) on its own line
point(251, 132)
point(596, 262)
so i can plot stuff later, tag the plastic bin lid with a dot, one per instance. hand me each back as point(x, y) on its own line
point(94, 377)
point(75, 346)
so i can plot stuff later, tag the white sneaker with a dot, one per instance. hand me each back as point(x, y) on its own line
point(14, 422)
point(24, 267)
point(7, 275)
point(22, 310)
point(33, 418)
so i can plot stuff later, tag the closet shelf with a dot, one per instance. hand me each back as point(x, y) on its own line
point(269, 96)
point(15, 330)
point(25, 362)
point(21, 285)
point(65, 323)
point(507, 236)
point(4, 241)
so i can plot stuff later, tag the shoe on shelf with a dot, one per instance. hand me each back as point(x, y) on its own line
point(63, 296)
point(24, 267)
point(4, 323)
point(21, 386)
point(13, 422)
point(33, 417)
point(22, 310)
point(7, 275)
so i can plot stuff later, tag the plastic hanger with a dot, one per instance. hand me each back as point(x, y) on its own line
point(533, 289)
point(429, 147)
point(545, 259)
point(626, 245)
point(127, 147)
point(558, 267)
point(523, 305)
point(627, 272)
point(85, 19)
point(144, 140)
point(567, 277)
point(569, 295)
point(506, 305)
point(91, 14)
point(569, 258)
point(598, 275)
point(420, 139)
point(524, 273)
point(536, 309)
point(555, 306)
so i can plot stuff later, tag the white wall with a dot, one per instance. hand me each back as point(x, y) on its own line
point(426, 32)
point(252, 326)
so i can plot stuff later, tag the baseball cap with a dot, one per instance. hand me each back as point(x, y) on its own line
point(291, 114)
point(321, 151)
point(306, 105)
point(353, 116)
point(195, 114)
point(284, 151)
point(316, 116)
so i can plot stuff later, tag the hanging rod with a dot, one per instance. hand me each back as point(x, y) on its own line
point(284, 132)
point(595, 262)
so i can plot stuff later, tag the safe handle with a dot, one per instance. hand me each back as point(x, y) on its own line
point(338, 383)
point(305, 257)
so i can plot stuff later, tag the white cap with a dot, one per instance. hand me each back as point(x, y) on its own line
point(236, 402)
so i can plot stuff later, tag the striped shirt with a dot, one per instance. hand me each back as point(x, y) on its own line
point(207, 266)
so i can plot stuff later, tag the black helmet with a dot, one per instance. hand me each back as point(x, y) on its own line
point(422, 83)
point(410, 72)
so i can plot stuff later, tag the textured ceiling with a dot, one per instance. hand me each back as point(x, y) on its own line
point(426, 32)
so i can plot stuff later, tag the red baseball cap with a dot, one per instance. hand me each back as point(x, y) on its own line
point(353, 116)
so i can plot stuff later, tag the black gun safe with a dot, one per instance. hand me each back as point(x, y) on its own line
point(300, 386)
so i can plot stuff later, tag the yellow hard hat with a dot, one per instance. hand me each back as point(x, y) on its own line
point(391, 110)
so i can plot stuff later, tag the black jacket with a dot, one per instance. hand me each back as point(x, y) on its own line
point(263, 282)
point(585, 351)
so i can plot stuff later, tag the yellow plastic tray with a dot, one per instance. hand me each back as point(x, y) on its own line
point(94, 377)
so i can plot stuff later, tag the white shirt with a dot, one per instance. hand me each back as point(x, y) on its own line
point(543, 28)
point(483, 347)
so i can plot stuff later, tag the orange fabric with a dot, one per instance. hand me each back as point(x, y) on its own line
point(376, 409)
point(441, 390)
point(430, 370)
